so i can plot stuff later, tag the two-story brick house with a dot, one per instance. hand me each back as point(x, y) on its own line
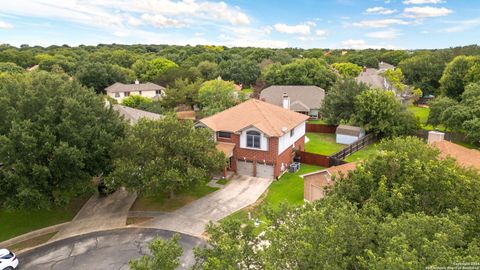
point(258, 138)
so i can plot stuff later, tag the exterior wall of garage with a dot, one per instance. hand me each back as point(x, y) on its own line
point(271, 157)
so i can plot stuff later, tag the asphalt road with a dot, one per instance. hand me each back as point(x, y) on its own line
point(102, 250)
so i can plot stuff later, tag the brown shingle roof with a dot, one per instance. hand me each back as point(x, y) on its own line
point(348, 130)
point(464, 156)
point(120, 87)
point(309, 95)
point(270, 119)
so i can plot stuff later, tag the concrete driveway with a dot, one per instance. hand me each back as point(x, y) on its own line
point(99, 213)
point(240, 192)
point(102, 250)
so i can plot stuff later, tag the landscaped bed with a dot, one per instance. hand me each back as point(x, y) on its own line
point(322, 143)
point(162, 202)
point(17, 222)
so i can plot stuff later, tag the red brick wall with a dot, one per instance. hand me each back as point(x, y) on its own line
point(271, 156)
point(287, 156)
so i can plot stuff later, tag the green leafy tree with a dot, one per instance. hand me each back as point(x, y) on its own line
point(424, 71)
point(183, 92)
point(231, 246)
point(456, 73)
point(10, 67)
point(216, 95)
point(166, 155)
point(156, 67)
point(437, 109)
point(55, 134)
point(171, 75)
point(207, 69)
point(136, 101)
point(348, 69)
point(241, 71)
point(402, 208)
point(379, 112)
point(50, 62)
point(339, 103)
point(407, 176)
point(300, 72)
point(99, 76)
point(165, 255)
point(393, 57)
point(396, 78)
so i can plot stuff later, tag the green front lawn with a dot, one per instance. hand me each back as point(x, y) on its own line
point(322, 143)
point(162, 202)
point(363, 153)
point(288, 189)
point(17, 222)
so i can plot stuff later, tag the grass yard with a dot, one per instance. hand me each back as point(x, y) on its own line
point(317, 121)
point(322, 143)
point(288, 189)
point(161, 202)
point(422, 114)
point(363, 153)
point(17, 222)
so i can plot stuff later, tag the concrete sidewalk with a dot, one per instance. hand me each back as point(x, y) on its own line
point(240, 192)
point(99, 213)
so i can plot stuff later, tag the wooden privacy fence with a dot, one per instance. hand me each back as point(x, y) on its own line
point(314, 159)
point(337, 158)
point(319, 128)
point(354, 147)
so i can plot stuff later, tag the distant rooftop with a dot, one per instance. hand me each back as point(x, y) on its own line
point(121, 87)
point(134, 115)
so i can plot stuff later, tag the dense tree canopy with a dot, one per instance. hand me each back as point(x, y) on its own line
point(10, 67)
point(339, 103)
point(424, 71)
point(165, 255)
point(54, 136)
point(463, 116)
point(404, 208)
point(379, 112)
point(301, 72)
point(165, 155)
point(241, 71)
point(217, 95)
point(459, 73)
point(99, 76)
point(347, 69)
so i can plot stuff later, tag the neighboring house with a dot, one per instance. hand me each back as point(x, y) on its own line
point(133, 115)
point(465, 157)
point(119, 91)
point(373, 78)
point(314, 183)
point(258, 138)
point(305, 99)
point(348, 134)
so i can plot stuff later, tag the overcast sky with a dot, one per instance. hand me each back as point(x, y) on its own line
point(403, 24)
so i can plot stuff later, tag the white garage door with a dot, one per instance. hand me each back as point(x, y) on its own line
point(264, 171)
point(244, 167)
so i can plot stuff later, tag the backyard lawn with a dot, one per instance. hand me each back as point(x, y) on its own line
point(322, 143)
point(17, 222)
point(317, 121)
point(422, 114)
point(288, 189)
point(162, 202)
point(363, 153)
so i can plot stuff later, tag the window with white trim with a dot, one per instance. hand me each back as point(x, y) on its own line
point(126, 94)
point(117, 95)
point(253, 139)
